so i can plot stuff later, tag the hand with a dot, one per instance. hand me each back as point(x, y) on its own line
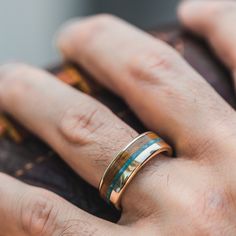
point(194, 194)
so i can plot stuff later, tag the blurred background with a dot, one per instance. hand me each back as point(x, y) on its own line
point(27, 28)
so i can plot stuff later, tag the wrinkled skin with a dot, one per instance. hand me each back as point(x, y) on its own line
point(194, 194)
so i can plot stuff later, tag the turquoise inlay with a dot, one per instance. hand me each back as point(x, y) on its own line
point(127, 163)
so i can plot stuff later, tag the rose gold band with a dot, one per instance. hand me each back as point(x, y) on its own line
point(127, 163)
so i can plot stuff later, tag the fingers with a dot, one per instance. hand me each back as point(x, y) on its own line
point(27, 210)
point(155, 81)
point(215, 21)
point(84, 132)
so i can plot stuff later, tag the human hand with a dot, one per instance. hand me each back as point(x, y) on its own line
point(193, 194)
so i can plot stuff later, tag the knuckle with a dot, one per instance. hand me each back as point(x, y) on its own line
point(82, 124)
point(153, 67)
point(38, 213)
point(214, 204)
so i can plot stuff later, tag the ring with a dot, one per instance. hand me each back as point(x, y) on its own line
point(127, 163)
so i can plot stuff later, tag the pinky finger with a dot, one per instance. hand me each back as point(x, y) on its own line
point(26, 210)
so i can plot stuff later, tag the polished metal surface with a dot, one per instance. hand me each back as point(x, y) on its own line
point(128, 162)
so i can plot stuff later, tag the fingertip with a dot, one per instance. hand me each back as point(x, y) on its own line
point(63, 39)
point(201, 16)
point(189, 11)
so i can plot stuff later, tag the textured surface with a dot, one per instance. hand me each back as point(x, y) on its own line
point(33, 162)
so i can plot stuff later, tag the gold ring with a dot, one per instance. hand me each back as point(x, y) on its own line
point(127, 163)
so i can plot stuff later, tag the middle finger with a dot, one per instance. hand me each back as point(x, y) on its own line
point(163, 90)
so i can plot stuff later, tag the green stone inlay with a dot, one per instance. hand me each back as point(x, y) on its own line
point(126, 165)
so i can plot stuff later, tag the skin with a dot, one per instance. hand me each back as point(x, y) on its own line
point(194, 194)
